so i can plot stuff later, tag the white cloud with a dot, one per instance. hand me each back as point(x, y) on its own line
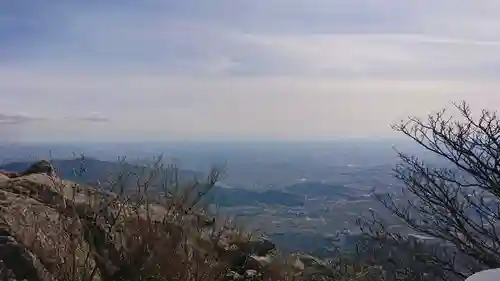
point(310, 69)
point(252, 107)
point(404, 56)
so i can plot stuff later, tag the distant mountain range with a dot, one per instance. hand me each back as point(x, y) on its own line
point(90, 170)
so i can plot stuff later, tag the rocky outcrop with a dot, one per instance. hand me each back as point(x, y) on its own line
point(52, 229)
point(36, 226)
point(40, 167)
point(312, 265)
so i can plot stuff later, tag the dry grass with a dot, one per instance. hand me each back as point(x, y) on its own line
point(140, 236)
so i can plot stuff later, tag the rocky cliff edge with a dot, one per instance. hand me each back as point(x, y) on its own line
point(52, 229)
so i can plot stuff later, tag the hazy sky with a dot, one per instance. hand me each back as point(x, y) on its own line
point(260, 69)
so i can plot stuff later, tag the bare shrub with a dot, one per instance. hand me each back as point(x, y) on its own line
point(455, 201)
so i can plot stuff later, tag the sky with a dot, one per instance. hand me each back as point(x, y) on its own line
point(232, 69)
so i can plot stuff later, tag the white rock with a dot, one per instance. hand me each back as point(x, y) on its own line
point(486, 275)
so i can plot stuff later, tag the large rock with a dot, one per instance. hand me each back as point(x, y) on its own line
point(47, 225)
point(245, 252)
point(258, 262)
point(36, 229)
point(260, 246)
point(40, 167)
point(46, 221)
point(41, 230)
point(20, 262)
point(311, 266)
